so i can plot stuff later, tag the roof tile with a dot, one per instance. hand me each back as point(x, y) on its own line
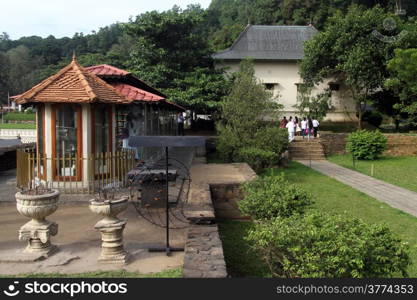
point(72, 84)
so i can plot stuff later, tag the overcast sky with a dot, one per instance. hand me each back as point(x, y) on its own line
point(65, 17)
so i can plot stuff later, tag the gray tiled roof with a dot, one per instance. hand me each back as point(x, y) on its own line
point(269, 43)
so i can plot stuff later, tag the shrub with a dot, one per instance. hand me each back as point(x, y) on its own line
point(242, 117)
point(272, 196)
point(257, 158)
point(228, 143)
point(273, 139)
point(319, 245)
point(373, 117)
point(367, 145)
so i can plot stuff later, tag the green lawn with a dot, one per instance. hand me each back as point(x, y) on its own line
point(17, 126)
point(173, 273)
point(15, 116)
point(335, 197)
point(330, 196)
point(241, 261)
point(401, 171)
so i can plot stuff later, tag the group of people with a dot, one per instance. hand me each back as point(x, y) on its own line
point(306, 127)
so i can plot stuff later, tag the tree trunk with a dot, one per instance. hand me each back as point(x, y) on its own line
point(397, 125)
point(360, 119)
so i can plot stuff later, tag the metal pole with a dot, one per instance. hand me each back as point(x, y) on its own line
point(167, 202)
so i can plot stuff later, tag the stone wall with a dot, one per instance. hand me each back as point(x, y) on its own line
point(333, 143)
point(401, 145)
point(203, 257)
point(397, 145)
point(225, 198)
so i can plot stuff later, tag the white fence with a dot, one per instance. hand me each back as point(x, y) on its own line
point(26, 135)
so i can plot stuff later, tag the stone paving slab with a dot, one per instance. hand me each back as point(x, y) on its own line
point(394, 196)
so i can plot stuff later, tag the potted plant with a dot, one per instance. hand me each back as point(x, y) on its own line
point(37, 203)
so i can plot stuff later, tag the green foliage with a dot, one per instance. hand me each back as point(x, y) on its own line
point(403, 81)
point(314, 106)
point(318, 245)
point(243, 112)
point(373, 117)
point(348, 48)
point(257, 158)
point(271, 139)
point(272, 196)
point(201, 90)
point(367, 145)
point(241, 259)
point(225, 15)
point(172, 53)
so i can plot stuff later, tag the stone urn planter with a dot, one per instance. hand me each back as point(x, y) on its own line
point(37, 205)
point(111, 229)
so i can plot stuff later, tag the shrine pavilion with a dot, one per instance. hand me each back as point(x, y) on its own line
point(84, 115)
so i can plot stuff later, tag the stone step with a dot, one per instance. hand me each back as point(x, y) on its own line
point(306, 153)
point(305, 147)
point(307, 157)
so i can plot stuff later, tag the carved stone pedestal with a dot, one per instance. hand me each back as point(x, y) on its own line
point(38, 234)
point(112, 250)
point(111, 229)
point(38, 231)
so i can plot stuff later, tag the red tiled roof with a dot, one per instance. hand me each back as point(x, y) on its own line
point(72, 84)
point(134, 93)
point(106, 70)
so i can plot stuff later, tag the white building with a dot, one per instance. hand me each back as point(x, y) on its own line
point(276, 52)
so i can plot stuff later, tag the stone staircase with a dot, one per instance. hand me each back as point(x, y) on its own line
point(304, 149)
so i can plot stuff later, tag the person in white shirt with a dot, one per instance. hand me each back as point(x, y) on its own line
point(315, 127)
point(304, 127)
point(291, 129)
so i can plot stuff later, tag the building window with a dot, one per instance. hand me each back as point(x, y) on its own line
point(301, 87)
point(66, 139)
point(269, 86)
point(102, 129)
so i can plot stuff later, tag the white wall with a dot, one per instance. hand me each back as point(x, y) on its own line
point(285, 75)
point(26, 135)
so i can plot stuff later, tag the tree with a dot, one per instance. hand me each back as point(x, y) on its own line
point(314, 106)
point(167, 46)
point(243, 114)
point(403, 81)
point(201, 90)
point(171, 54)
point(348, 51)
point(4, 70)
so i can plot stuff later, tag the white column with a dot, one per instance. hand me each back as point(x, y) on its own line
point(86, 138)
point(48, 141)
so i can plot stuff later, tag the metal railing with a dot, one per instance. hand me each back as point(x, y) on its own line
point(74, 175)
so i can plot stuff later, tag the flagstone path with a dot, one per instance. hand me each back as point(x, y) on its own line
point(394, 196)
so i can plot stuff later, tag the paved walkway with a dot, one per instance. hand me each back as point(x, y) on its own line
point(394, 196)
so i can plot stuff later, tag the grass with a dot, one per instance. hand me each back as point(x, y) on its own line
point(334, 197)
point(20, 116)
point(330, 196)
point(173, 273)
point(241, 261)
point(214, 158)
point(400, 171)
point(17, 126)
